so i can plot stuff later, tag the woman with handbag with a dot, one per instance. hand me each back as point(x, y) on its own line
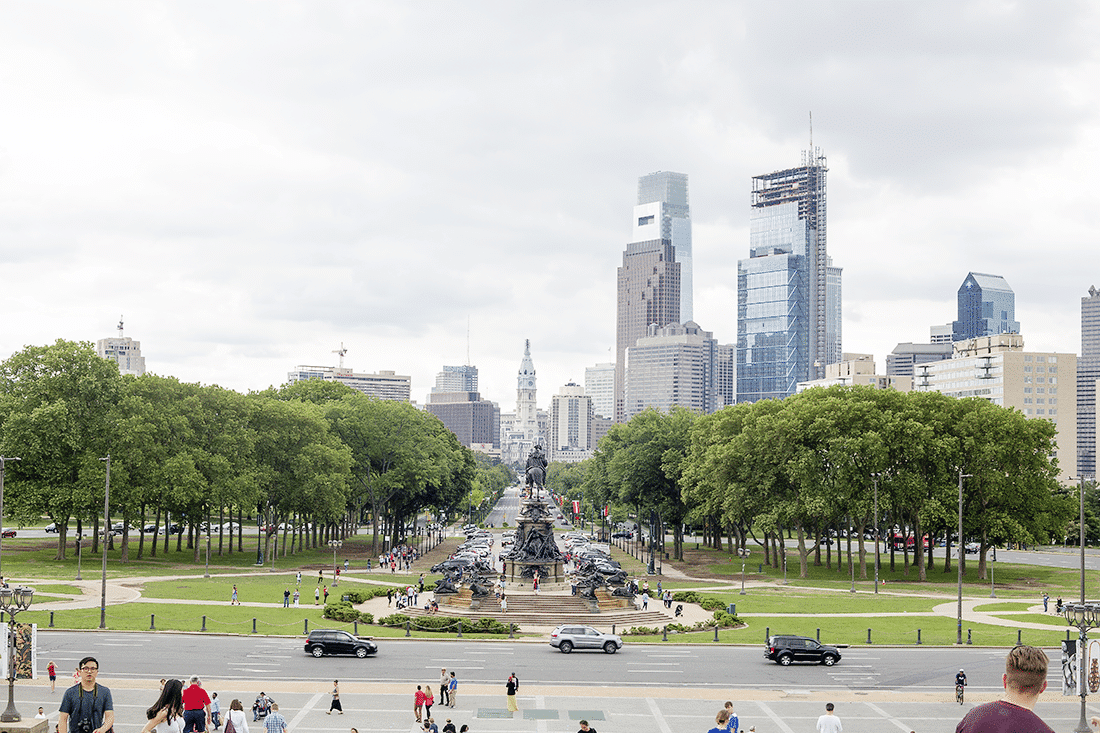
point(235, 720)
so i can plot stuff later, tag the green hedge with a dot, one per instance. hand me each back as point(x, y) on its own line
point(709, 603)
point(344, 611)
point(447, 624)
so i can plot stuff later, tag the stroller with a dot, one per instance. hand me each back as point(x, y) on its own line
point(679, 610)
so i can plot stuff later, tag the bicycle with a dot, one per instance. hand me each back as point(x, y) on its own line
point(959, 693)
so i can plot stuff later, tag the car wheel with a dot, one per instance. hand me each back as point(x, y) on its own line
point(317, 651)
point(828, 660)
point(361, 652)
point(610, 647)
point(566, 647)
point(784, 659)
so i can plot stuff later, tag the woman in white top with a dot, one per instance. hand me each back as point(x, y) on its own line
point(237, 717)
point(166, 715)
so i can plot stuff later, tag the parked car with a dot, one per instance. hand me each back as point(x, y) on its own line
point(622, 535)
point(149, 528)
point(568, 637)
point(7, 533)
point(52, 528)
point(972, 547)
point(333, 641)
point(786, 649)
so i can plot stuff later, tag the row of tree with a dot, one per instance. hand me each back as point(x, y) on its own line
point(310, 459)
point(813, 464)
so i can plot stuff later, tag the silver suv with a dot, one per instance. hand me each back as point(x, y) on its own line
point(568, 637)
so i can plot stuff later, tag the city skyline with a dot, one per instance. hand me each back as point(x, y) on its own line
point(253, 186)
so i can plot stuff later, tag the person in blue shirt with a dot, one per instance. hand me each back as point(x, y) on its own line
point(733, 721)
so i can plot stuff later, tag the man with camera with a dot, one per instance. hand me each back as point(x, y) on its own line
point(87, 707)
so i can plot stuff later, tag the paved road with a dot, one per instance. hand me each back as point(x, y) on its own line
point(507, 508)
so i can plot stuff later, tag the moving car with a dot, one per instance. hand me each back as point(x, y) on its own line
point(52, 528)
point(333, 641)
point(7, 533)
point(786, 649)
point(568, 637)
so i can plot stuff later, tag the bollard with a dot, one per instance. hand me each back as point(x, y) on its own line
point(253, 626)
point(51, 619)
point(716, 632)
point(761, 570)
point(407, 629)
point(968, 632)
point(1019, 632)
point(356, 627)
point(460, 629)
point(818, 634)
point(767, 633)
point(510, 634)
point(868, 636)
point(152, 622)
point(918, 637)
point(664, 633)
point(204, 623)
point(305, 626)
point(612, 628)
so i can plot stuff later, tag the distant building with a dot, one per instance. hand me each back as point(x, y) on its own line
point(124, 351)
point(599, 384)
point(456, 379)
point(474, 421)
point(725, 375)
point(858, 370)
point(571, 414)
point(987, 306)
point(527, 426)
point(673, 365)
point(940, 334)
point(385, 384)
point(601, 426)
point(901, 362)
point(1088, 384)
point(664, 196)
point(996, 368)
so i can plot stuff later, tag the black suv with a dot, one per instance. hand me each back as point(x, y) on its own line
point(330, 641)
point(786, 649)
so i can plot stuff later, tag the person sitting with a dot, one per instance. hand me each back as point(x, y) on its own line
point(679, 610)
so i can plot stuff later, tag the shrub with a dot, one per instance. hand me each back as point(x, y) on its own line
point(712, 604)
point(642, 631)
point(396, 619)
point(445, 624)
point(725, 620)
point(342, 611)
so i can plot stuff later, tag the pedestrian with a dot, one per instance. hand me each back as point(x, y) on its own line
point(51, 669)
point(235, 720)
point(449, 727)
point(1024, 680)
point(585, 728)
point(196, 707)
point(503, 604)
point(464, 728)
point(444, 680)
point(511, 686)
point(1058, 606)
point(429, 700)
point(659, 589)
point(335, 704)
point(320, 577)
point(316, 596)
point(421, 587)
point(275, 722)
point(645, 601)
point(325, 591)
point(348, 564)
point(286, 598)
point(297, 597)
point(166, 715)
point(215, 711)
point(41, 714)
point(829, 723)
point(389, 596)
point(733, 721)
point(418, 702)
point(336, 577)
point(1046, 601)
point(233, 600)
point(87, 703)
point(452, 690)
point(721, 722)
point(298, 579)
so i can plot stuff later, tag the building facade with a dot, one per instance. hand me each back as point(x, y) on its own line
point(384, 384)
point(858, 370)
point(673, 366)
point(527, 426)
point(670, 190)
point(1088, 390)
point(789, 302)
point(987, 306)
point(124, 351)
point(571, 414)
point(1041, 385)
point(903, 360)
point(456, 379)
point(474, 421)
point(599, 384)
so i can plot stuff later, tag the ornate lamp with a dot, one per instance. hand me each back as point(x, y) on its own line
point(1084, 616)
point(12, 601)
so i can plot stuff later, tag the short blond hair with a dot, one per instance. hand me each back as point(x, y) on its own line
point(723, 717)
point(1026, 669)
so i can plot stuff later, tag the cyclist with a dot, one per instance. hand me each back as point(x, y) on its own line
point(960, 684)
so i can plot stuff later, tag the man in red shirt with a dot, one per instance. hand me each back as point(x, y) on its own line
point(1024, 680)
point(196, 707)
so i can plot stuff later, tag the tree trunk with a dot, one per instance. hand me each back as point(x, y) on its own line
point(918, 549)
point(62, 538)
point(803, 567)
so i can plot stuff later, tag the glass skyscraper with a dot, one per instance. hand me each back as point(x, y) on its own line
point(987, 307)
point(788, 291)
point(674, 218)
point(1088, 375)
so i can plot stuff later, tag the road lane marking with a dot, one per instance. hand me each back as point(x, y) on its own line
point(658, 718)
point(775, 718)
point(662, 671)
point(887, 716)
point(305, 710)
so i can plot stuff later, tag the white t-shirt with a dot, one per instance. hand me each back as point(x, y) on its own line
point(829, 724)
point(170, 725)
point(240, 720)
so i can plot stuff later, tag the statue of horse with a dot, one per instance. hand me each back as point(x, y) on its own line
point(536, 475)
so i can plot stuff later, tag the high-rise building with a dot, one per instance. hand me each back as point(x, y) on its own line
point(987, 306)
point(901, 362)
point(456, 379)
point(124, 351)
point(474, 421)
point(940, 334)
point(599, 384)
point(570, 425)
point(858, 370)
point(664, 196)
point(788, 291)
point(385, 384)
point(649, 291)
point(673, 366)
point(1088, 384)
point(1041, 385)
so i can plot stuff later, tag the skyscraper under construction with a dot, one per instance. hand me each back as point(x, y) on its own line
point(788, 292)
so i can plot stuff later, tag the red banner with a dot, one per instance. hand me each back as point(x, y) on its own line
point(576, 507)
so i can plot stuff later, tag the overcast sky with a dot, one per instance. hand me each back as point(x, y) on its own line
point(252, 183)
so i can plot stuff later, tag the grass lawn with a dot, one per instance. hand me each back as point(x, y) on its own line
point(995, 606)
point(1036, 618)
point(770, 600)
point(262, 587)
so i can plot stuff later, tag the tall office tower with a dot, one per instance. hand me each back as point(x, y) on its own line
point(987, 307)
point(124, 351)
point(474, 421)
point(788, 291)
point(664, 196)
point(1088, 384)
point(726, 375)
point(599, 384)
point(649, 291)
point(672, 366)
point(570, 425)
point(456, 379)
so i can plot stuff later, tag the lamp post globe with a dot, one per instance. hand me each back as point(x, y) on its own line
point(12, 601)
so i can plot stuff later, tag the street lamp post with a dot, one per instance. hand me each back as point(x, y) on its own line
point(3, 459)
point(259, 537)
point(959, 626)
point(79, 545)
point(875, 477)
point(1084, 616)
point(12, 601)
point(335, 545)
point(106, 529)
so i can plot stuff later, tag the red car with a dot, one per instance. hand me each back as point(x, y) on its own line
point(8, 533)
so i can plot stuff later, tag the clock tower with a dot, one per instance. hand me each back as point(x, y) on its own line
point(526, 408)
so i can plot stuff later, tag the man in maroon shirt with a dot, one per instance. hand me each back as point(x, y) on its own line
point(1024, 680)
point(196, 707)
